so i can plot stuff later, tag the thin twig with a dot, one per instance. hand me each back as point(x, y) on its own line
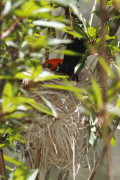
point(11, 28)
point(92, 15)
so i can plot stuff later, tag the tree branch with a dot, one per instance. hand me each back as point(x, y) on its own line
point(11, 29)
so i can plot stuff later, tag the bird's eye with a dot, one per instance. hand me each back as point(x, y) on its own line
point(50, 65)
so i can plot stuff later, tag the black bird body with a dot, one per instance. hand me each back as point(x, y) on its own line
point(69, 62)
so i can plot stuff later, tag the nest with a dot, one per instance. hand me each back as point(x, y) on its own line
point(61, 141)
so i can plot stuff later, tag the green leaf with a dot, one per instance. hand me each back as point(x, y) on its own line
point(97, 93)
point(7, 8)
point(92, 138)
point(55, 41)
point(80, 16)
point(65, 2)
point(110, 2)
point(37, 42)
point(36, 55)
point(106, 67)
point(72, 33)
point(80, 30)
point(23, 173)
point(113, 141)
point(2, 145)
point(8, 91)
point(32, 174)
point(67, 87)
point(43, 10)
point(20, 173)
point(48, 103)
point(36, 71)
point(38, 74)
point(5, 77)
point(13, 161)
point(69, 52)
point(32, 9)
point(21, 75)
point(46, 78)
point(53, 24)
point(34, 104)
point(17, 115)
point(114, 48)
point(5, 129)
point(11, 44)
point(118, 101)
point(7, 96)
point(19, 137)
point(107, 37)
point(91, 32)
point(27, 9)
point(113, 110)
point(93, 121)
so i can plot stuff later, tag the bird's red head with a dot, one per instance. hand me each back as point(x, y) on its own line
point(53, 63)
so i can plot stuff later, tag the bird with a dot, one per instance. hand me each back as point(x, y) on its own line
point(66, 65)
point(69, 62)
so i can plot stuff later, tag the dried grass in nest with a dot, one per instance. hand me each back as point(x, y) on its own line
point(63, 141)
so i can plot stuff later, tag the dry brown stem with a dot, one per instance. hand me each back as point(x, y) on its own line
point(11, 28)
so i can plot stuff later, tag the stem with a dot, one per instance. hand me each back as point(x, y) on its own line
point(102, 50)
point(103, 77)
point(11, 28)
point(92, 14)
point(2, 165)
point(103, 83)
point(37, 162)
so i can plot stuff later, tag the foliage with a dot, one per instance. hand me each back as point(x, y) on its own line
point(27, 28)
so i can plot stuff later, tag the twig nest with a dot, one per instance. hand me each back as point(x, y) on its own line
point(58, 141)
